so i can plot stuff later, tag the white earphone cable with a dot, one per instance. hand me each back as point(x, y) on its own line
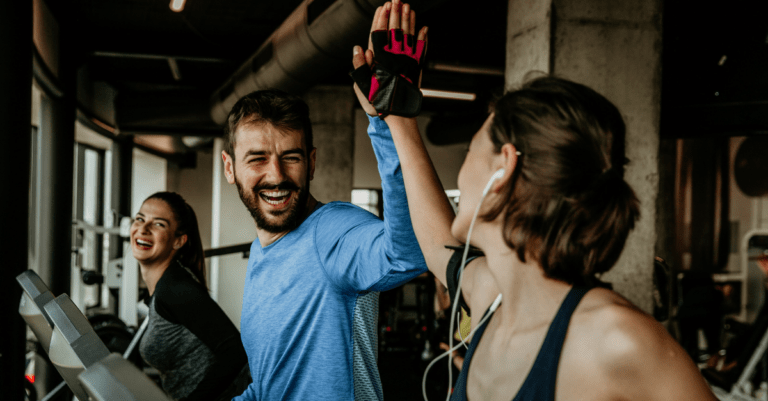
point(457, 346)
point(455, 301)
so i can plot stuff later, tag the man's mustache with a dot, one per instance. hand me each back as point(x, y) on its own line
point(284, 186)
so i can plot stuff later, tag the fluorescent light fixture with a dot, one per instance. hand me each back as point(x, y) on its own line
point(177, 5)
point(448, 94)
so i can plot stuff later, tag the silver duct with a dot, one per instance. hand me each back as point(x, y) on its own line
point(316, 38)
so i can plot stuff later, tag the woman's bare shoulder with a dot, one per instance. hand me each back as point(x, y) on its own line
point(617, 328)
point(631, 350)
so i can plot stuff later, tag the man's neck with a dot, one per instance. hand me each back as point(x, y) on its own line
point(267, 238)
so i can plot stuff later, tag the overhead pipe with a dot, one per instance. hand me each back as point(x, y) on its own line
point(315, 39)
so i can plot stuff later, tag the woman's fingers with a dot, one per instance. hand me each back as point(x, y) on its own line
point(422, 34)
point(376, 17)
point(412, 22)
point(405, 24)
point(394, 15)
point(382, 21)
point(358, 58)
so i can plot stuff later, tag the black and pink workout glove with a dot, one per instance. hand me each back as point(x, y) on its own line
point(392, 82)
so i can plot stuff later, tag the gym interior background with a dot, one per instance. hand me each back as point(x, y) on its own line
point(104, 103)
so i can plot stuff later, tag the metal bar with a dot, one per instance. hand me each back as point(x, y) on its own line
point(96, 229)
point(174, 69)
point(226, 250)
point(159, 57)
point(136, 338)
point(129, 288)
point(749, 370)
point(466, 69)
point(55, 391)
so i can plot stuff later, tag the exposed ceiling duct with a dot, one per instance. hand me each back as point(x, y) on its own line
point(315, 39)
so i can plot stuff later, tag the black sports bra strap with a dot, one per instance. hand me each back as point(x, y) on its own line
point(541, 380)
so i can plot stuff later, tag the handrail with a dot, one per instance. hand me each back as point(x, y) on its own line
point(226, 250)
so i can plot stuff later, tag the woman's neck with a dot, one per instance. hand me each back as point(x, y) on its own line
point(151, 273)
point(528, 296)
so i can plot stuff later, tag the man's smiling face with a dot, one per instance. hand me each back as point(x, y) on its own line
point(272, 169)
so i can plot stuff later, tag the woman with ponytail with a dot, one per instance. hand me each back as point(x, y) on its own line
point(189, 339)
point(544, 199)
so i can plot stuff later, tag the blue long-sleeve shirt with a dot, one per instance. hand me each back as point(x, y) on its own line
point(303, 291)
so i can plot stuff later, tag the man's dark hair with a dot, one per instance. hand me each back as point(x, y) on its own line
point(278, 108)
point(567, 205)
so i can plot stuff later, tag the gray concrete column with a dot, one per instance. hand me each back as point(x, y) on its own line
point(615, 48)
point(15, 118)
point(331, 110)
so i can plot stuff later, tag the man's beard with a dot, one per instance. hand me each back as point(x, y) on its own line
point(291, 217)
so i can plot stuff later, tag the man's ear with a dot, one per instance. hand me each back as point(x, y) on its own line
point(229, 167)
point(312, 158)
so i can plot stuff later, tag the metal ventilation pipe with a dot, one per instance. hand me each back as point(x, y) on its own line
point(315, 39)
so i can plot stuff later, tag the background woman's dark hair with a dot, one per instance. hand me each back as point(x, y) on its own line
point(191, 254)
point(568, 206)
point(279, 108)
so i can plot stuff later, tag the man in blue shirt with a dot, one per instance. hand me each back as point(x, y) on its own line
point(306, 317)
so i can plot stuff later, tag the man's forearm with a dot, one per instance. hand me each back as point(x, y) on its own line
point(431, 213)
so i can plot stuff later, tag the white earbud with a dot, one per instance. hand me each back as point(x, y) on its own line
point(498, 174)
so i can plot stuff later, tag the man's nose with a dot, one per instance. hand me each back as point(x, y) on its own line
point(275, 171)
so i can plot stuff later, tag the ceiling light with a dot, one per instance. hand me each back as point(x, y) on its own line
point(448, 94)
point(177, 5)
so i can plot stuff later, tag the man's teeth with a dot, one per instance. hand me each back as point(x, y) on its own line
point(275, 197)
point(277, 194)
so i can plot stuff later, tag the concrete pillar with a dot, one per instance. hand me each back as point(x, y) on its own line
point(15, 111)
point(331, 110)
point(615, 48)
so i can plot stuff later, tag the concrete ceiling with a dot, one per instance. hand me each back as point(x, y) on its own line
point(714, 56)
point(128, 43)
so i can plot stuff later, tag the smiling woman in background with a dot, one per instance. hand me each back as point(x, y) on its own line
point(189, 339)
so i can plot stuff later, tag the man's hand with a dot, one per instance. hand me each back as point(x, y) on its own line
point(389, 83)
